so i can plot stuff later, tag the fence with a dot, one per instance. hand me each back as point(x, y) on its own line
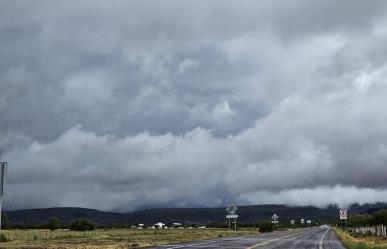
point(379, 231)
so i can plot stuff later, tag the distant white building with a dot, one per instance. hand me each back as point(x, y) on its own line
point(159, 225)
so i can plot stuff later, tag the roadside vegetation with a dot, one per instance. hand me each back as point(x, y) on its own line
point(361, 242)
point(85, 234)
point(110, 238)
point(364, 241)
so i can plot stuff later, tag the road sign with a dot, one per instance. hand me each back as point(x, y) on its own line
point(343, 214)
point(308, 222)
point(231, 209)
point(231, 215)
point(302, 221)
point(274, 219)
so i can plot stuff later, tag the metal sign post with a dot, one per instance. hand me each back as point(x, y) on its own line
point(343, 216)
point(292, 223)
point(308, 223)
point(3, 176)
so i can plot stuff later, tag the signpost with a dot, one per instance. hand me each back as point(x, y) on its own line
point(308, 223)
point(292, 223)
point(3, 176)
point(274, 219)
point(343, 216)
point(302, 221)
point(231, 215)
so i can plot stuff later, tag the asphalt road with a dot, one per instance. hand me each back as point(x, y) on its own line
point(312, 238)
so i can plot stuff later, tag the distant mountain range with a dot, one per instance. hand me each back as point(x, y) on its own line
point(183, 215)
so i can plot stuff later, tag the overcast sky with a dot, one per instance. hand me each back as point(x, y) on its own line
point(123, 105)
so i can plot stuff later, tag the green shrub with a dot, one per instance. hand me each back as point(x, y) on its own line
point(5, 224)
point(82, 225)
point(380, 217)
point(53, 223)
point(266, 227)
point(3, 238)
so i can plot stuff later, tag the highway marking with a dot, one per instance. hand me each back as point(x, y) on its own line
point(190, 245)
point(200, 244)
point(322, 238)
point(272, 240)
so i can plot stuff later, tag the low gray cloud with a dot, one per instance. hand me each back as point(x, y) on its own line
point(122, 105)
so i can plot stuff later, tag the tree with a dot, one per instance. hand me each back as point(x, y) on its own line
point(82, 225)
point(53, 223)
point(380, 217)
point(359, 220)
point(266, 227)
point(5, 221)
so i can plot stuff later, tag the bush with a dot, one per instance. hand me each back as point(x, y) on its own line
point(3, 238)
point(358, 220)
point(53, 223)
point(82, 225)
point(5, 224)
point(380, 217)
point(266, 227)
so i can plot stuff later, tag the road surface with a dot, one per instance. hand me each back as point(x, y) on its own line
point(312, 238)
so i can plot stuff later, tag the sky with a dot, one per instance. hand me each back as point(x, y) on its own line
point(124, 105)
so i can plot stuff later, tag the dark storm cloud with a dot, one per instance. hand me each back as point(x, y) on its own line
point(180, 103)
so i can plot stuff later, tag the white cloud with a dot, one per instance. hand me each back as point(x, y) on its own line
point(87, 90)
point(343, 196)
point(187, 64)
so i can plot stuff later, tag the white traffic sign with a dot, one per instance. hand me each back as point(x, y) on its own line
point(292, 222)
point(302, 221)
point(231, 209)
point(308, 222)
point(343, 214)
point(232, 216)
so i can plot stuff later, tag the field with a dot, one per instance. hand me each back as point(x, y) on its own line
point(110, 239)
point(367, 242)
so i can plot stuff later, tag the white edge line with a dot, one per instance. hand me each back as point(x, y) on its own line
point(322, 238)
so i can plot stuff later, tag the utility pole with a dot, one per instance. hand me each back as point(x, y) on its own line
point(3, 175)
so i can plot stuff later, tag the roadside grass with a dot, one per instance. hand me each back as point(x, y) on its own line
point(361, 242)
point(111, 238)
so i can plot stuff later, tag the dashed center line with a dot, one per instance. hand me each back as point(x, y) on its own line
point(272, 240)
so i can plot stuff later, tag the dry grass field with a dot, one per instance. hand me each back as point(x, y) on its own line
point(110, 239)
point(367, 242)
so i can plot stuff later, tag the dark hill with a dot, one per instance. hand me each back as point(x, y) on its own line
point(182, 215)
